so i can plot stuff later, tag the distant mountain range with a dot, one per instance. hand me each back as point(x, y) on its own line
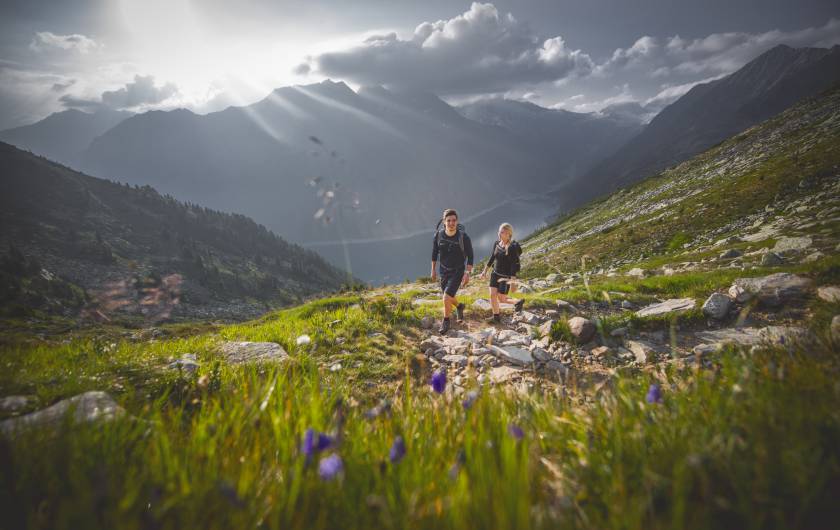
point(323, 163)
point(714, 111)
point(72, 243)
point(65, 135)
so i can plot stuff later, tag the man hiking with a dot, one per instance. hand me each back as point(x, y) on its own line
point(453, 247)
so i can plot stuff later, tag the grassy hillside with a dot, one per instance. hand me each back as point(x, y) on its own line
point(780, 178)
point(73, 244)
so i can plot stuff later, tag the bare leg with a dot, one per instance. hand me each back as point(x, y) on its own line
point(494, 300)
point(448, 303)
point(505, 299)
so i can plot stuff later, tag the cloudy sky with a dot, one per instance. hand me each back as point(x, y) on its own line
point(205, 55)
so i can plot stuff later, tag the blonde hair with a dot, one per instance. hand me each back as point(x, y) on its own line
point(509, 228)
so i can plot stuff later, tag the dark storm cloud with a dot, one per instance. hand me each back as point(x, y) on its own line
point(141, 91)
point(477, 51)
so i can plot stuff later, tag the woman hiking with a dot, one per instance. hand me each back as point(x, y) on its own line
point(452, 246)
point(505, 261)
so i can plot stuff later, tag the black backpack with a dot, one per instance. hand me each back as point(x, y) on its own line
point(459, 231)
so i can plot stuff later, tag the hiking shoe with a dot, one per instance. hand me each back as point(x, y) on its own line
point(444, 326)
point(495, 319)
point(518, 306)
point(460, 311)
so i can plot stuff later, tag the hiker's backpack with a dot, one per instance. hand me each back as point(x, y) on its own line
point(459, 231)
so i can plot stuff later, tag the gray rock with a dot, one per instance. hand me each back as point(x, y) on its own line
point(243, 352)
point(813, 256)
point(434, 342)
point(457, 360)
point(740, 336)
point(583, 329)
point(567, 307)
point(88, 407)
point(513, 354)
point(731, 253)
point(545, 327)
point(508, 337)
point(185, 364)
point(705, 349)
point(457, 345)
point(554, 366)
point(771, 259)
point(775, 289)
point(786, 335)
point(792, 244)
point(618, 332)
point(524, 288)
point(540, 354)
point(668, 306)
point(552, 278)
point(835, 328)
point(717, 306)
point(427, 322)
point(601, 352)
point(627, 304)
point(637, 272)
point(501, 374)
point(15, 404)
point(829, 293)
point(644, 351)
point(739, 295)
point(528, 318)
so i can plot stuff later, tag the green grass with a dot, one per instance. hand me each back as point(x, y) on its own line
point(752, 441)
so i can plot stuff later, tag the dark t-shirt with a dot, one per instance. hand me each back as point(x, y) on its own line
point(505, 262)
point(447, 251)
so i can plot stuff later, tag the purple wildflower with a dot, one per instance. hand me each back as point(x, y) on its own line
point(470, 399)
point(439, 381)
point(330, 466)
point(397, 450)
point(516, 431)
point(654, 394)
point(324, 441)
point(308, 447)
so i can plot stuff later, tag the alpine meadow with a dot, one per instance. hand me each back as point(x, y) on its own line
point(216, 229)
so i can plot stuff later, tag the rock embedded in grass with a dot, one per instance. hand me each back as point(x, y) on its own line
point(243, 352)
point(775, 289)
point(835, 328)
point(668, 306)
point(771, 259)
point(717, 306)
point(86, 408)
point(582, 329)
point(513, 354)
point(16, 404)
point(792, 244)
point(829, 293)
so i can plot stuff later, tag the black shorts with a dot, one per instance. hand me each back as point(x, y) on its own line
point(450, 281)
point(503, 287)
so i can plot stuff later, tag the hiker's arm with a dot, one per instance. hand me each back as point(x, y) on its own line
point(489, 261)
point(469, 252)
point(434, 256)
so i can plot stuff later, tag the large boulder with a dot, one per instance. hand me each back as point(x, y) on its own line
point(86, 408)
point(717, 306)
point(792, 244)
point(771, 259)
point(668, 306)
point(242, 352)
point(583, 329)
point(775, 289)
